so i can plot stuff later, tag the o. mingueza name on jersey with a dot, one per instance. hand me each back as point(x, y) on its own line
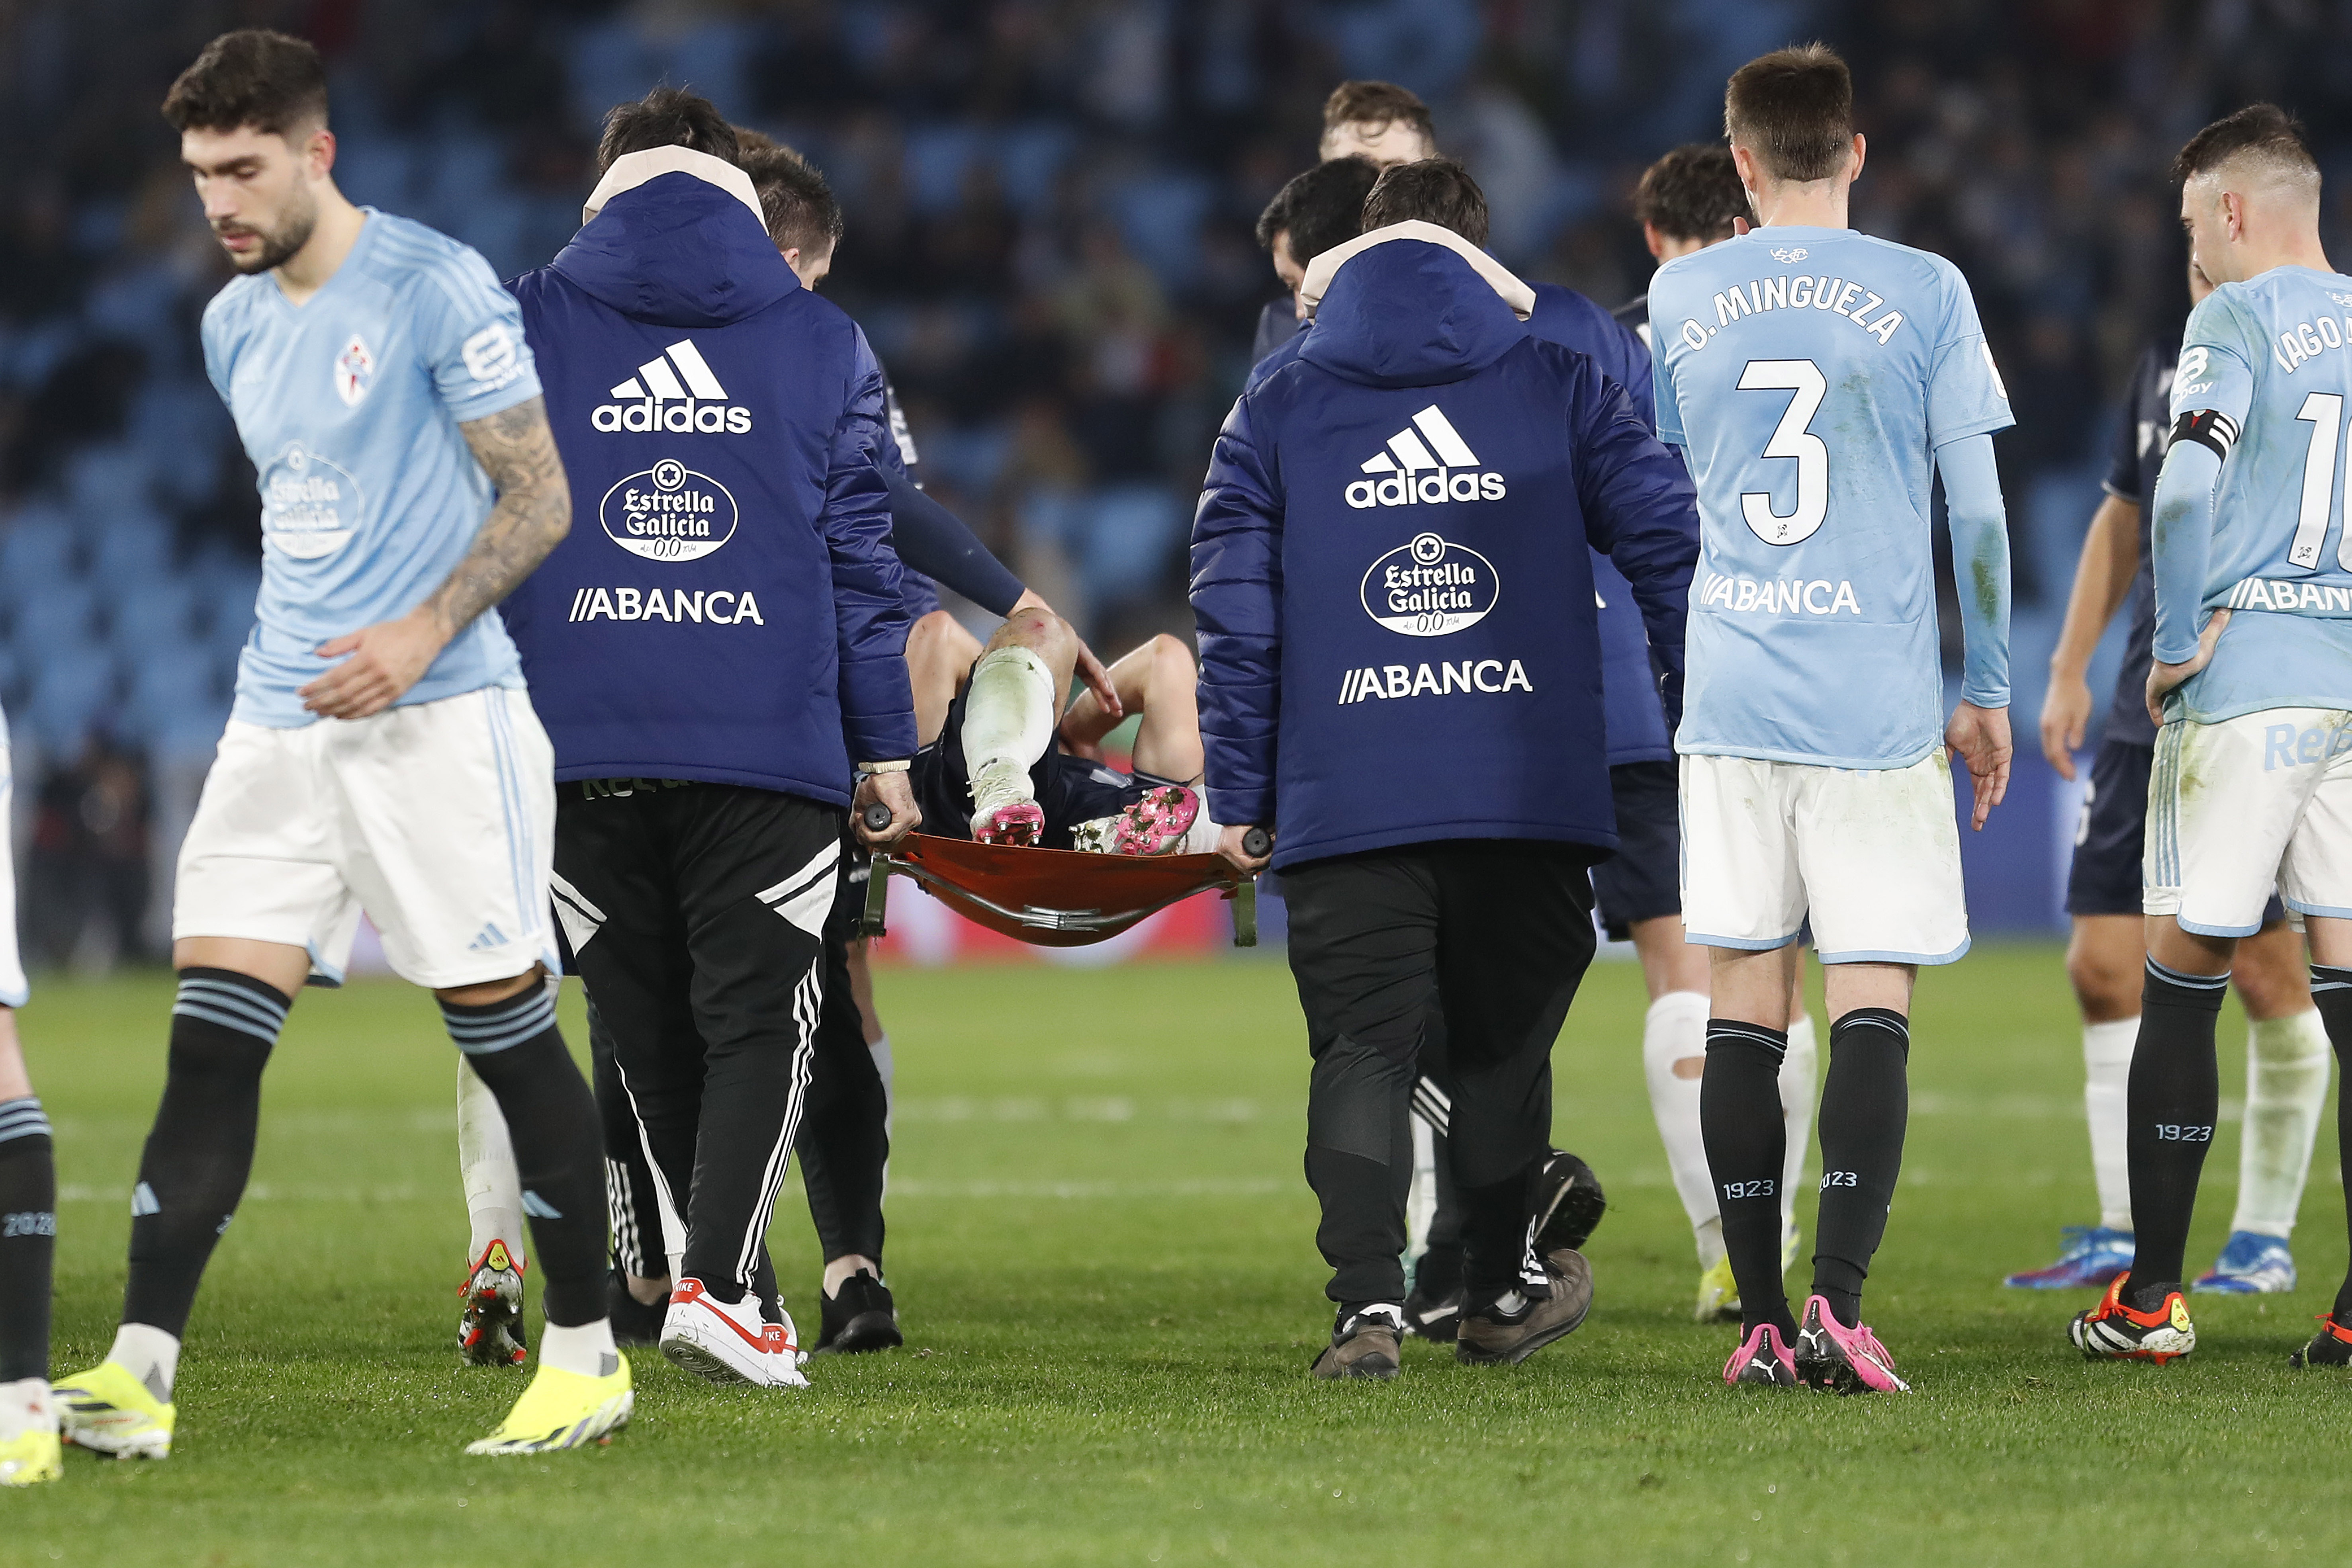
point(718, 606)
point(1838, 296)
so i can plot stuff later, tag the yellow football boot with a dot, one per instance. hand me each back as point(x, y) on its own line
point(108, 1411)
point(563, 1410)
point(30, 1458)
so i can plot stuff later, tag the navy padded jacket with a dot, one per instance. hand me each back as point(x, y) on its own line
point(1392, 572)
point(1637, 724)
point(727, 605)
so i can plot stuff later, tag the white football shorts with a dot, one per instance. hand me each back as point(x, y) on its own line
point(13, 989)
point(437, 819)
point(2235, 806)
point(1872, 856)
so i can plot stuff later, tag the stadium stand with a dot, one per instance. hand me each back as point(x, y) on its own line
point(1049, 206)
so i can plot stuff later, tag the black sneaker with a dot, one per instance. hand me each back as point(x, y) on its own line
point(1363, 1345)
point(2331, 1346)
point(860, 1317)
point(636, 1324)
point(1567, 1203)
point(1514, 1326)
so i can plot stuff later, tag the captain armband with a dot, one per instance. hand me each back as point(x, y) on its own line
point(2208, 427)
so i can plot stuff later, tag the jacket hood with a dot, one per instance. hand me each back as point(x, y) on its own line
point(1410, 312)
point(677, 251)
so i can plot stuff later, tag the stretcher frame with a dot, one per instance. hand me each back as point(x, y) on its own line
point(1054, 898)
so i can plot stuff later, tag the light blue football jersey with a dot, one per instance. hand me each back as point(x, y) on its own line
point(1810, 374)
point(349, 407)
point(2273, 357)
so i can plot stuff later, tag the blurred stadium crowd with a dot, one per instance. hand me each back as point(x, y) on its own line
point(1050, 207)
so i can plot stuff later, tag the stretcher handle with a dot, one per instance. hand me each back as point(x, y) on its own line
point(876, 817)
point(1257, 843)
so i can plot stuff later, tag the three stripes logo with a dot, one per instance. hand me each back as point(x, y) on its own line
point(673, 391)
point(1426, 462)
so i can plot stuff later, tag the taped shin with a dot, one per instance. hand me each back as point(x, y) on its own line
point(1008, 721)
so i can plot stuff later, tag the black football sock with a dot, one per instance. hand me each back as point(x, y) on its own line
point(1866, 1105)
point(28, 1238)
point(1740, 1121)
point(2174, 1098)
point(517, 1050)
point(193, 1170)
point(2331, 992)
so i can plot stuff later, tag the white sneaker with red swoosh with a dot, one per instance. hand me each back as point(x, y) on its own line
point(727, 1343)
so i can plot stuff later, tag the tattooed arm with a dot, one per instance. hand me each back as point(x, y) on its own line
point(516, 448)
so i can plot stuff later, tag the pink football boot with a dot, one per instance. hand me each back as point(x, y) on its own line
point(1843, 1360)
point(1155, 825)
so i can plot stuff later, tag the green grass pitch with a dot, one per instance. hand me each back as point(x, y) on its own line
point(1104, 1251)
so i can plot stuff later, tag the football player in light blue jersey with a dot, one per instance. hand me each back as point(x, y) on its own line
point(382, 752)
point(1816, 379)
point(2251, 683)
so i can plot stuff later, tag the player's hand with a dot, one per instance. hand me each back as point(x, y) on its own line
point(386, 659)
point(2065, 714)
point(1229, 845)
point(1095, 679)
point(892, 789)
point(2163, 677)
point(1978, 736)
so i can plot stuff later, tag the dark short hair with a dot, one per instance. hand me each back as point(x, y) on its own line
point(2263, 129)
point(1693, 193)
point(1375, 103)
point(665, 116)
point(1794, 109)
point(252, 77)
point(1435, 190)
point(1319, 209)
point(800, 207)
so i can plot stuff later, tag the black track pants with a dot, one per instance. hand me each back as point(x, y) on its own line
point(844, 1139)
point(1495, 933)
point(694, 914)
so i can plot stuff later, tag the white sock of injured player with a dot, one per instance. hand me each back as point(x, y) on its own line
point(486, 1159)
point(1800, 1081)
point(1008, 721)
point(1674, 1055)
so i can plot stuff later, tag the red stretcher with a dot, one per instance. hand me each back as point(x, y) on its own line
point(1054, 898)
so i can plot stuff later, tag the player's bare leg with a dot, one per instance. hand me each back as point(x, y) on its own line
point(940, 655)
point(1014, 701)
point(1159, 682)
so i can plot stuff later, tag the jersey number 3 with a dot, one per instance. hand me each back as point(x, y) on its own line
point(1790, 439)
